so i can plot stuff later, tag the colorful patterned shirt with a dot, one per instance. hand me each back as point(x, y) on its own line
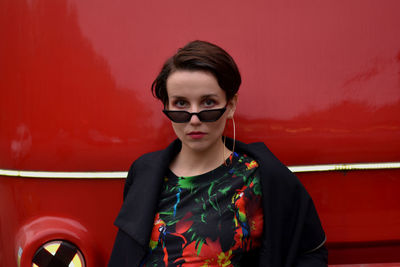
point(211, 219)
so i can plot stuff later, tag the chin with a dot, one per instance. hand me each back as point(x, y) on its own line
point(202, 145)
point(197, 146)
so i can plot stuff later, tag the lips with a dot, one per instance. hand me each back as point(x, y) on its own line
point(196, 135)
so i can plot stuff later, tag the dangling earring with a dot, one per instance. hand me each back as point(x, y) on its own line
point(223, 150)
point(234, 137)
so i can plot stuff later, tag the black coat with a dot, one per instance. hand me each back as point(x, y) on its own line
point(293, 235)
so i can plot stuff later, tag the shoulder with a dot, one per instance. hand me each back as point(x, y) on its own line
point(156, 159)
point(258, 150)
point(147, 158)
point(144, 161)
point(273, 173)
point(243, 164)
point(264, 157)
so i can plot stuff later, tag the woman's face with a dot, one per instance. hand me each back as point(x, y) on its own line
point(195, 91)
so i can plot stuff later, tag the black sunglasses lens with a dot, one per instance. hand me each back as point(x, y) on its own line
point(204, 116)
point(210, 115)
point(178, 116)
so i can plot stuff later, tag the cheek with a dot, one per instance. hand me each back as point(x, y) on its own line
point(220, 126)
point(178, 128)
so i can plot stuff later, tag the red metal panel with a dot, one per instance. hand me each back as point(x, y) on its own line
point(76, 77)
point(360, 213)
point(34, 211)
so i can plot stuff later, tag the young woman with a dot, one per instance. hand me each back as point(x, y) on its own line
point(207, 201)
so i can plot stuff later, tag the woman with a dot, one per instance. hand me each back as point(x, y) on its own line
point(204, 201)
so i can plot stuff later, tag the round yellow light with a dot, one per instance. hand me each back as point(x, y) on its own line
point(67, 253)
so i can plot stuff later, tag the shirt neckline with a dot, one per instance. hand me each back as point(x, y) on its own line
point(219, 171)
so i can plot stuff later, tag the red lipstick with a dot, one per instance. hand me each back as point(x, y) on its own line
point(196, 135)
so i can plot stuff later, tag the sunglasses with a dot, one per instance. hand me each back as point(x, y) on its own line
point(209, 115)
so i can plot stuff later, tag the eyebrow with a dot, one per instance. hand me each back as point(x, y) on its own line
point(204, 96)
point(177, 96)
point(210, 95)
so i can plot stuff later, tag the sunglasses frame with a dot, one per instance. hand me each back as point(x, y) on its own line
point(198, 114)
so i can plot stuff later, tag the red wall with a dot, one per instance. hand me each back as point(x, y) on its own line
point(321, 84)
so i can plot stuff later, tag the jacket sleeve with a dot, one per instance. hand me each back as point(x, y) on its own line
point(312, 252)
point(306, 250)
point(126, 252)
point(293, 234)
point(316, 258)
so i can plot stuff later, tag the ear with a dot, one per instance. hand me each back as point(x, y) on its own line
point(232, 106)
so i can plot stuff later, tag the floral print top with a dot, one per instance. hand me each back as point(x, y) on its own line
point(210, 219)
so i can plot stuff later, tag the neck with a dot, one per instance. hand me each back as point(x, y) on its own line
point(190, 163)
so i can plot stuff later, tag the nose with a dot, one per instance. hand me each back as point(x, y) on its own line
point(194, 120)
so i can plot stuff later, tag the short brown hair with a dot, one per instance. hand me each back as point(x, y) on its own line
point(203, 56)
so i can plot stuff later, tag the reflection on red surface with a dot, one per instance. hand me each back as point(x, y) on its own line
point(321, 84)
point(347, 132)
point(63, 104)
